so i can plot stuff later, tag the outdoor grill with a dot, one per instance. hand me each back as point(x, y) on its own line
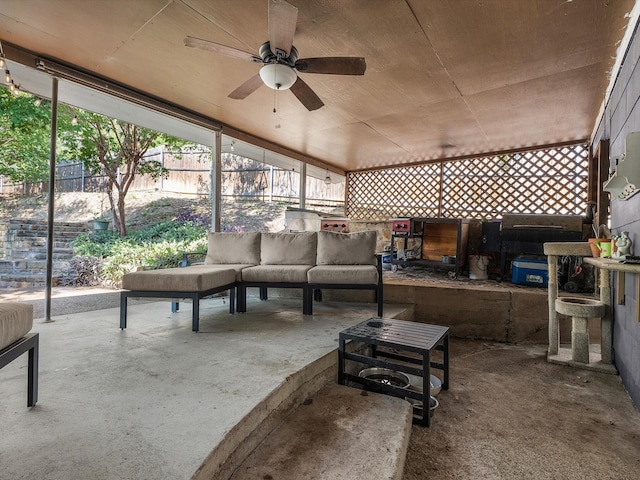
point(527, 233)
point(304, 220)
point(541, 228)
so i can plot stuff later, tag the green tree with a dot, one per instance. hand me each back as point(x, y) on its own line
point(105, 145)
point(25, 133)
point(117, 149)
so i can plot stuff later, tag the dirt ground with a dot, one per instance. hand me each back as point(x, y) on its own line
point(143, 209)
point(509, 414)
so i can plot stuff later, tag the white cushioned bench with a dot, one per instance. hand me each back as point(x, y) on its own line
point(16, 321)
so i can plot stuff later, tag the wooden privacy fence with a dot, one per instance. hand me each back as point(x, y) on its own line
point(547, 181)
point(190, 172)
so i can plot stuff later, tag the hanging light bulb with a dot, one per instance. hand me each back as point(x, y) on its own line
point(14, 89)
point(327, 179)
point(75, 120)
point(7, 76)
point(233, 142)
point(2, 62)
point(37, 102)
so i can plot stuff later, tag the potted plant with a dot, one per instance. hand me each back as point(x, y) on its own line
point(598, 245)
point(99, 222)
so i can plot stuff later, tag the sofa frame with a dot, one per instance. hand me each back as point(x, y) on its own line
point(29, 343)
point(194, 296)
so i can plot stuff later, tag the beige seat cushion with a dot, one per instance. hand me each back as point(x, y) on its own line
point(16, 320)
point(189, 279)
point(238, 267)
point(347, 274)
point(288, 248)
point(233, 248)
point(346, 248)
point(276, 273)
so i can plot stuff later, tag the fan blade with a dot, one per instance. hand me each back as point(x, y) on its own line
point(218, 48)
point(332, 65)
point(307, 97)
point(282, 26)
point(247, 88)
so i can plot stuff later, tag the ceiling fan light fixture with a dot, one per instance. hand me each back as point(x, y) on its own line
point(278, 77)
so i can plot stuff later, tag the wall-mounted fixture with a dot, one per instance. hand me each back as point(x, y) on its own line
point(624, 182)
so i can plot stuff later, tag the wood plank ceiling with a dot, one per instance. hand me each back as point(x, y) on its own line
point(444, 78)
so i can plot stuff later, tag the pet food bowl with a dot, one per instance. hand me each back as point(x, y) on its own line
point(385, 376)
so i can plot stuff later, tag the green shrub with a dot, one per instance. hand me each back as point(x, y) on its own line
point(160, 246)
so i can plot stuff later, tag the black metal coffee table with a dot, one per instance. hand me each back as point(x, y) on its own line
point(415, 340)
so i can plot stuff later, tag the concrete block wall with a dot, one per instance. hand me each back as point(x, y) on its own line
point(621, 117)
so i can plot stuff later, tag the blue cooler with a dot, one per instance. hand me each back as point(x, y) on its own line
point(528, 270)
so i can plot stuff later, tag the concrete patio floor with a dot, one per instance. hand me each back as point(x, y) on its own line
point(153, 401)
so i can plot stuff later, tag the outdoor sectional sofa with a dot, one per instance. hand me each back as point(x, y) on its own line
point(310, 261)
point(16, 321)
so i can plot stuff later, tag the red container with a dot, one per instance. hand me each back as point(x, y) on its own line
point(401, 225)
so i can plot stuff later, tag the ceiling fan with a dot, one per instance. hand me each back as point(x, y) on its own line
point(280, 59)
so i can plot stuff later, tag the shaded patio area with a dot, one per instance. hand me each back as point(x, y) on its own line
point(156, 400)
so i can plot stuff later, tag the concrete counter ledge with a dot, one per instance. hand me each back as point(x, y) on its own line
point(607, 264)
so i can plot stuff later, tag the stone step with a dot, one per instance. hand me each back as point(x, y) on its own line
point(26, 251)
point(24, 243)
point(39, 244)
point(27, 280)
point(30, 266)
point(57, 233)
point(40, 254)
point(341, 432)
point(39, 223)
point(42, 225)
point(43, 234)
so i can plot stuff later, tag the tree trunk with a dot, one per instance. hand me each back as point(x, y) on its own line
point(121, 211)
point(117, 209)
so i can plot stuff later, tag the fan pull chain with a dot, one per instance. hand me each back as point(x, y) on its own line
point(275, 100)
point(275, 109)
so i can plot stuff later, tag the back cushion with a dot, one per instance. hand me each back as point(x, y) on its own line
point(289, 248)
point(347, 248)
point(233, 248)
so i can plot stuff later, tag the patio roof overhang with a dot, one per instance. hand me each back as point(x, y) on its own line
point(442, 80)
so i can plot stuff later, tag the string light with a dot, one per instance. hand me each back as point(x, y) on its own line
point(15, 89)
point(233, 142)
point(75, 120)
point(327, 179)
point(37, 102)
